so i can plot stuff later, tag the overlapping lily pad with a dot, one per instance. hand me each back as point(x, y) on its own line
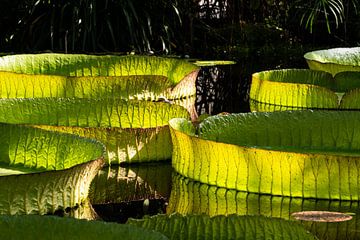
point(334, 60)
point(294, 89)
point(44, 172)
point(131, 130)
point(176, 226)
point(142, 82)
point(191, 197)
point(300, 154)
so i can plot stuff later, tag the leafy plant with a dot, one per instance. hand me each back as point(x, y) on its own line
point(120, 100)
point(334, 60)
point(44, 172)
point(294, 89)
point(299, 154)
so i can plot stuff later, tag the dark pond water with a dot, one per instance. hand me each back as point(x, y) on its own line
point(118, 193)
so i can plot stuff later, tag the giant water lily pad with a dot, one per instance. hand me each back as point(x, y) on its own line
point(176, 226)
point(100, 76)
point(44, 172)
point(334, 60)
point(300, 154)
point(49, 227)
point(142, 82)
point(192, 197)
point(131, 130)
point(294, 89)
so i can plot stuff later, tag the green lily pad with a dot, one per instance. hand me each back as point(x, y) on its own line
point(123, 101)
point(132, 130)
point(334, 60)
point(296, 89)
point(210, 63)
point(49, 227)
point(176, 226)
point(44, 172)
point(300, 154)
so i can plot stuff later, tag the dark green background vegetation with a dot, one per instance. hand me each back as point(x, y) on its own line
point(206, 28)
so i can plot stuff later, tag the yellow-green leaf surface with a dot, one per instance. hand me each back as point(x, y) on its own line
point(139, 129)
point(49, 227)
point(80, 75)
point(300, 154)
point(334, 60)
point(90, 65)
point(90, 75)
point(118, 184)
point(132, 130)
point(176, 226)
point(43, 172)
point(211, 63)
point(291, 89)
point(191, 197)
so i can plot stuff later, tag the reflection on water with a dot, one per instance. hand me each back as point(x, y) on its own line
point(188, 196)
point(118, 193)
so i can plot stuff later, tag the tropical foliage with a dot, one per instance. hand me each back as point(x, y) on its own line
point(176, 26)
point(334, 60)
point(116, 99)
point(279, 153)
point(44, 172)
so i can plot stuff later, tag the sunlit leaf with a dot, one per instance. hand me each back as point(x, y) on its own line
point(334, 60)
point(300, 154)
point(295, 89)
point(131, 130)
point(290, 89)
point(43, 172)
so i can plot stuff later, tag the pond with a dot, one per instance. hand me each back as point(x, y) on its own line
point(118, 193)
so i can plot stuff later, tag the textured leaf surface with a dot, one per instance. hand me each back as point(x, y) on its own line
point(213, 63)
point(191, 197)
point(296, 89)
point(302, 153)
point(117, 184)
point(292, 89)
point(334, 60)
point(47, 227)
point(89, 112)
point(91, 65)
point(37, 154)
point(132, 76)
point(132, 130)
point(176, 226)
